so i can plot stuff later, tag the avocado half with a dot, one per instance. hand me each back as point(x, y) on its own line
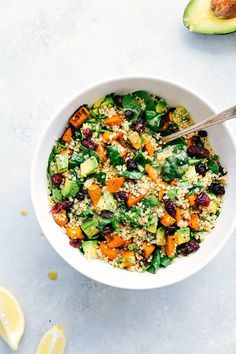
point(199, 18)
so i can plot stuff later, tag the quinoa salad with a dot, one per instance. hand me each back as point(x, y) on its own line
point(121, 195)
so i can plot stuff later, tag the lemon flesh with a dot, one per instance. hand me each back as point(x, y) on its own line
point(12, 320)
point(52, 342)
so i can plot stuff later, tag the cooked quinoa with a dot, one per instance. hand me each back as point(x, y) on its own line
point(121, 195)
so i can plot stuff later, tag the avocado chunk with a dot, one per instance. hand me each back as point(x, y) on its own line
point(183, 235)
point(108, 101)
point(70, 189)
point(152, 224)
point(199, 18)
point(98, 102)
point(56, 195)
point(160, 236)
point(161, 106)
point(151, 201)
point(89, 166)
point(214, 203)
point(90, 228)
point(90, 249)
point(107, 202)
point(62, 161)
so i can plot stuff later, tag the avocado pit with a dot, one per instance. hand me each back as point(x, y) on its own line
point(224, 9)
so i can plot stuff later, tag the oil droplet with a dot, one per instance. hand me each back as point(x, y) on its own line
point(23, 212)
point(52, 275)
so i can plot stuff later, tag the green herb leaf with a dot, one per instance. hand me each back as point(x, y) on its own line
point(141, 159)
point(87, 212)
point(133, 247)
point(131, 174)
point(213, 166)
point(115, 224)
point(101, 177)
point(129, 102)
point(155, 262)
point(132, 216)
point(153, 120)
point(148, 100)
point(195, 189)
point(114, 156)
point(151, 201)
point(175, 166)
point(178, 141)
point(78, 134)
point(90, 152)
point(56, 194)
point(61, 144)
point(103, 222)
point(165, 261)
point(76, 160)
point(172, 193)
point(215, 157)
point(50, 160)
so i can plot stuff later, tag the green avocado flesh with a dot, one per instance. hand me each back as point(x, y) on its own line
point(199, 18)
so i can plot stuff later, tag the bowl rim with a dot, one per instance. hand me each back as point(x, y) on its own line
point(37, 149)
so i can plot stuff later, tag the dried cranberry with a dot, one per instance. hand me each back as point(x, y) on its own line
point(170, 230)
point(66, 204)
point(87, 133)
point(56, 208)
point(197, 151)
point(57, 179)
point(61, 205)
point(131, 165)
point(139, 125)
point(128, 113)
point(202, 133)
point(189, 247)
point(217, 189)
point(196, 140)
point(170, 208)
point(76, 242)
point(201, 169)
point(107, 230)
point(71, 152)
point(90, 144)
point(118, 100)
point(203, 199)
point(121, 196)
point(107, 214)
point(80, 195)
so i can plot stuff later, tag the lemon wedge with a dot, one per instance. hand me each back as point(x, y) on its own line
point(12, 320)
point(53, 341)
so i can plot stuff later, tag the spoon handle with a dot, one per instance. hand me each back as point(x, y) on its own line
point(229, 113)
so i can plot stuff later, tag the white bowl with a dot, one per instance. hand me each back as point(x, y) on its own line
point(183, 267)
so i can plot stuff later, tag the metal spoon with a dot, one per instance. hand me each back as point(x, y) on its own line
point(229, 113)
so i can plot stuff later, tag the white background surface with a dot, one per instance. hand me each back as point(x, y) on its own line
point(48, 51)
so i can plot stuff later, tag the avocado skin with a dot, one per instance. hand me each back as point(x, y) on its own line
point(215, 26)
